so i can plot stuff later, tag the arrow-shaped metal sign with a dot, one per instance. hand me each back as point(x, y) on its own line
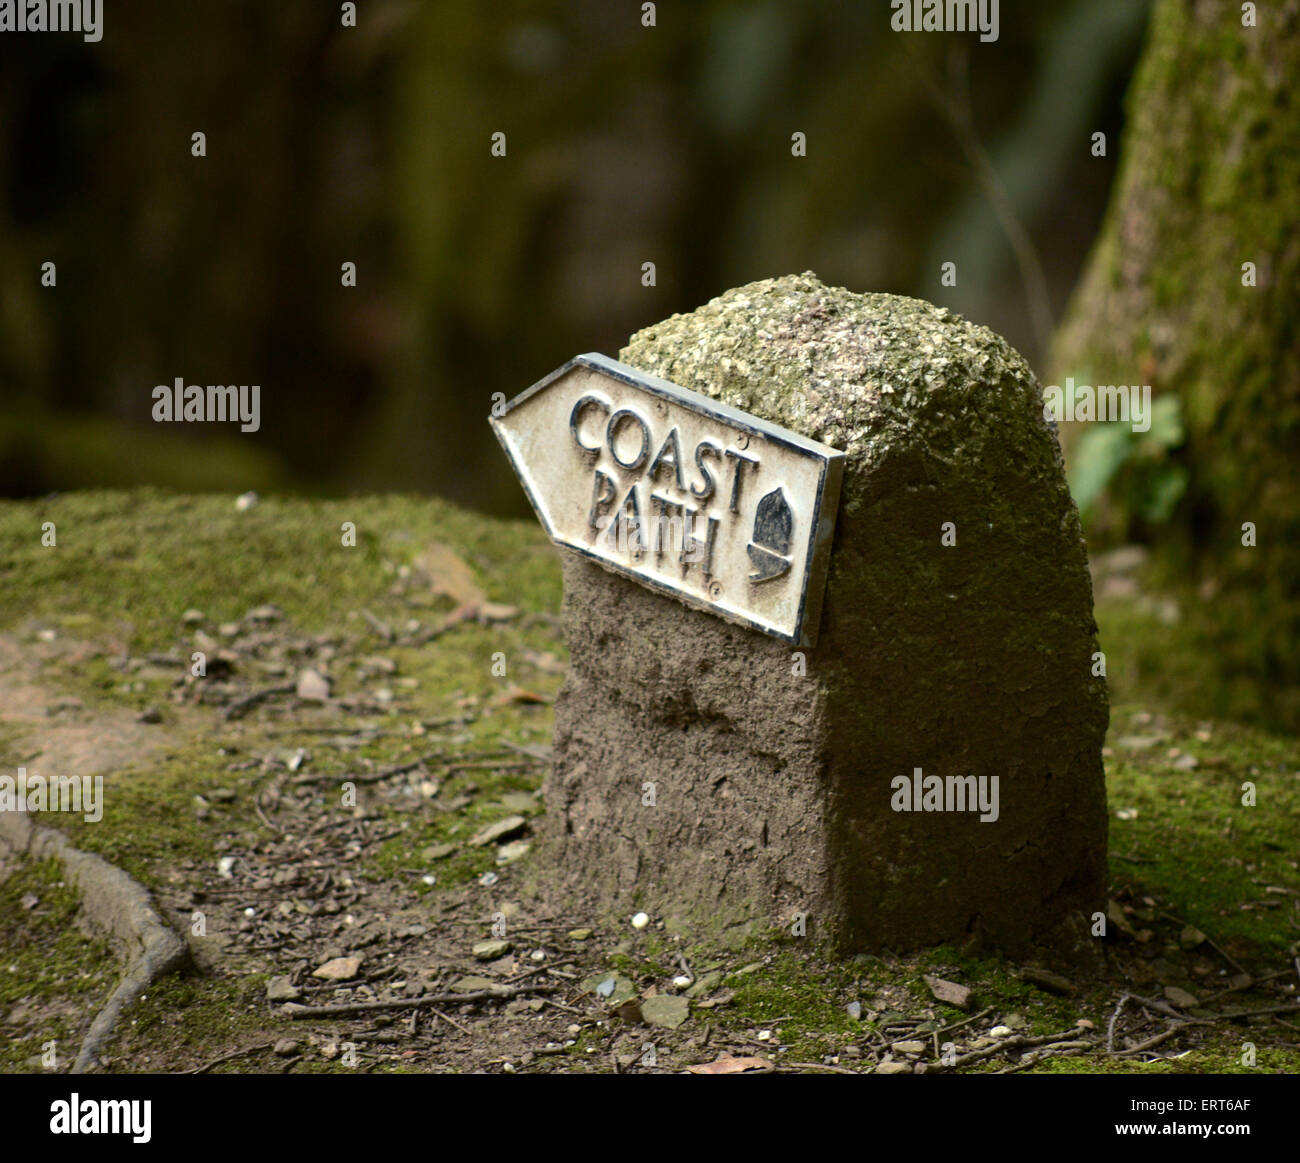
point(724, 511)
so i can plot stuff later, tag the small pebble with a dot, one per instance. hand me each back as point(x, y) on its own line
point(491, 950)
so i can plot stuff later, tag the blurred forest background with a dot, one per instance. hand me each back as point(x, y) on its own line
point(478, 274)
point(670, 145)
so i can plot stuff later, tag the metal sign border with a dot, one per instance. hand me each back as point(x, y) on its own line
point(825, 505)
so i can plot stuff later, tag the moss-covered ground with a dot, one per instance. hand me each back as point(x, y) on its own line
point(438, 631)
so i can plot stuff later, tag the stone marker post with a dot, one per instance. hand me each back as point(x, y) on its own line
point(930, 769)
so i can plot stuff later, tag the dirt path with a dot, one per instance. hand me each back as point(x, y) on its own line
point(59, 734)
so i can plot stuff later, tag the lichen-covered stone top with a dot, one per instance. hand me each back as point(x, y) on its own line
point(849, 370)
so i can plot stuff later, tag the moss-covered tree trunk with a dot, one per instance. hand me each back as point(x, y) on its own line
point(1209, 180)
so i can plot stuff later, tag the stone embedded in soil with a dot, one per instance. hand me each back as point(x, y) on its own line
point(705, 984)
point(282, 989)
point(471, 984)
point(313, 687)
point(893, 1068)
point(773, 770)
point(1046, 979)
point(517, 801)
point(613, 987)
point(501, 830)
point(949, 992)
point(491, 950)
point(515, 850)
point(339, 969)
point(665, 1010)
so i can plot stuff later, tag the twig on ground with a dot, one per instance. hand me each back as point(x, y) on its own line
point(437, 758)
point(498, 993)
point(367, 776)
point(1019, 1041)
point(965, 1021)
point(381, 628)
point(1233, 1015)
point(1254, 981)
point(1208, 940)
point(452, 1021)
point(1055, 1050)
point(1150, 1043)
point(496, 765)
point(535, 971)
point(261, 814)
point(1214, 1019)
point(229, 1057)
point(240, 707)
point(1110, 1026)
point(537, 752)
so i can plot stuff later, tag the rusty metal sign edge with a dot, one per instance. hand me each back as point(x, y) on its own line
point(826, 503)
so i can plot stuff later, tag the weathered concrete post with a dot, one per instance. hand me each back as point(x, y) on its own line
point(930, 770)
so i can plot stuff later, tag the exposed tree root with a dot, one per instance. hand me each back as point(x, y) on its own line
point(115, 903)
